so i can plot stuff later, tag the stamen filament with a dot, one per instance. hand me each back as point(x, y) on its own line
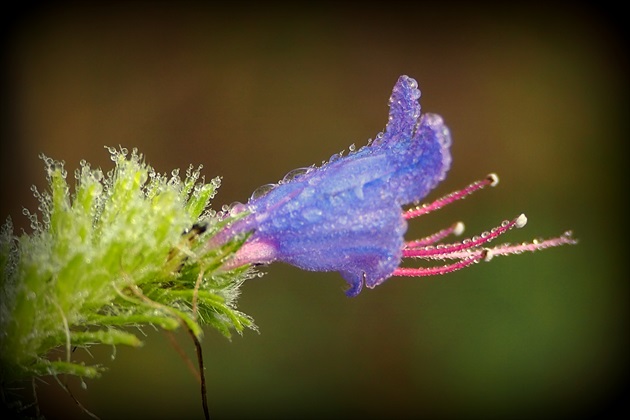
point(490, 180)
point(565, 239)
point(456, 229)
point(434, 271)
point(466, 244)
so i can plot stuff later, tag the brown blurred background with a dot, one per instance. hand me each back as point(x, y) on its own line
point(534, 92)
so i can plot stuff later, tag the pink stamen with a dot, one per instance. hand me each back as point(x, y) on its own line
point(444, 269)
point(457, 229)
point(468, 251)
point(445, 251)
point(565, 239)
point(490, 180)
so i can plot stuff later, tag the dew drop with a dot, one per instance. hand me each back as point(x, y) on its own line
point(352, 147)
point(294, 174)
point(216, 182)
point(262, 191)
point(279, 222)
point(312, 214)
point(335, 157)
point(378, 140)
point(236, 208)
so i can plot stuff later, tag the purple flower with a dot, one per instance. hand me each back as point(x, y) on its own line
point(347, 215)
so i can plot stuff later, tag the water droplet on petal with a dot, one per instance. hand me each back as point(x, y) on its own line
point(236, 208)
point(335, 157)
point(294, 174)
point(262, 190)
point(312, 214)
point(279, 222)
point(378, 140)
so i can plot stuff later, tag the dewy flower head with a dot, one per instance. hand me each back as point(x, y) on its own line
point(347, 215)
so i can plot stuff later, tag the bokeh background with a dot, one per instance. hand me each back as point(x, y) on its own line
point(533, 91)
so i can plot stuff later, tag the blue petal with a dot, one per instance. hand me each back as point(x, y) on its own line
point(422, 162)
point(404, 110)
point(346, 216)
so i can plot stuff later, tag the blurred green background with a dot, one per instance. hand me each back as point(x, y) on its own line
point(534, 92)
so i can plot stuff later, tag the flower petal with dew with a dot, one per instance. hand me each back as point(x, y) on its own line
point(347, 215)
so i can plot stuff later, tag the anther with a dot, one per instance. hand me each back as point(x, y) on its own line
point(521, 221)
point(458, 229)
point(493, 179)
